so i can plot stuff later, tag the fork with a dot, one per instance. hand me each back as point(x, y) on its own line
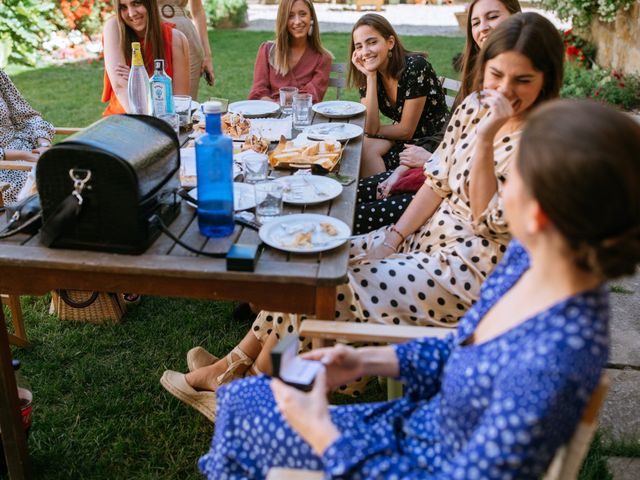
point(320, 193)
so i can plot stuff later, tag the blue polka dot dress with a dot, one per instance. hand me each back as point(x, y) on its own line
point(495, 410)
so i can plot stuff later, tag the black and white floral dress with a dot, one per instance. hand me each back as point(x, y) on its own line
point(20, 128)
point(436, 274)
point(418, 79)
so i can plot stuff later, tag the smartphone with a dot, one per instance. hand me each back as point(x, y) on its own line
point(207, 77)
point(292, 369)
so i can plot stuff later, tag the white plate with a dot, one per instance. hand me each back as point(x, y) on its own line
point(280, 233)
point(336, 131)
point(254, 108)
point(339, 109)
point(309, 189)
point(243, 196)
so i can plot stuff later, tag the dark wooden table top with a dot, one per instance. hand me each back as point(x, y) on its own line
point(166, 268)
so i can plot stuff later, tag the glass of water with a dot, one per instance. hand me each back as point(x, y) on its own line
point(268, 200)
point(173, 119)
point(255, 167)
point(183, 109)
point(302, 110)
point(286, 99)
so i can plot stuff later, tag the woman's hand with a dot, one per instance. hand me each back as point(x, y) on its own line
point(307, 413)
point(357, 61)
point(384, 246)
point(413, 156)
point(342, 364)
point(500, 110)
point(123, 71)
point(383, 190)
point(207, 67)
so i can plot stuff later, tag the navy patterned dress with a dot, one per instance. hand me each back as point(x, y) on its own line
point(495, 410)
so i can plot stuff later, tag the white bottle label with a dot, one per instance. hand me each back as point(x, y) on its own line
point(159, 95)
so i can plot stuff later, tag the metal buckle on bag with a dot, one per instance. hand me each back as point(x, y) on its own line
point(80, 178)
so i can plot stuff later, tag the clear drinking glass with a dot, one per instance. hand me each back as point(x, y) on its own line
point(173, 119)
point(286, 99)
point(268, 200)
point(302, 110)
point(182, 105)
point(255, 167)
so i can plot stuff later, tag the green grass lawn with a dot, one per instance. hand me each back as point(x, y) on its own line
point(99, 410)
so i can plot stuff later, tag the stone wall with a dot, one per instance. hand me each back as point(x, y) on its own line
point(618, 42)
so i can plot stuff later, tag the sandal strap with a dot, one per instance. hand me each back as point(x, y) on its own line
point(230, 373)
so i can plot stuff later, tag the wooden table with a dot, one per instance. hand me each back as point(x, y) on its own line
point(281, 282)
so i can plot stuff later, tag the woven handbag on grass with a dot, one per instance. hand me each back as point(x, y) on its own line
point(87, 306)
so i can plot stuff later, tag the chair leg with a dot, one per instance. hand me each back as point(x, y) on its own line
point(19, 338)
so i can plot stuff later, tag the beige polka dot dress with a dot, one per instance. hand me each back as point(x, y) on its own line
point(437, 273)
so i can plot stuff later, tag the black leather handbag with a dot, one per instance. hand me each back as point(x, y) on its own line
point(106, 187)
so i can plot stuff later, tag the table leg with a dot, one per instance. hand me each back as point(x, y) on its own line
point(325, 310)
point(13, 436)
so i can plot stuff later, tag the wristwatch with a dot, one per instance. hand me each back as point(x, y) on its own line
point(43, 144)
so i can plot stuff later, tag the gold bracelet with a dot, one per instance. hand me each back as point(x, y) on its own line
point(395, 229)
point(388, 245)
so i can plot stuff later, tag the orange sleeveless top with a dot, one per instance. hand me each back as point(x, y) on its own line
point(109, 95)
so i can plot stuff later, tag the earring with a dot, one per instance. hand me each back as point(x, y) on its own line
point(310, 29)
point(389, 54)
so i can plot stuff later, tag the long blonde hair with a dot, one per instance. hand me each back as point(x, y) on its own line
point(279, 54)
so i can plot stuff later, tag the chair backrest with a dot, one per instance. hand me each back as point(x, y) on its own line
point(568, 459)
point(451, 88)
point(338, 81)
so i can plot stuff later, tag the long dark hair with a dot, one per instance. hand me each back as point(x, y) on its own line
point(536, 38)
point(396, 64)
point(153, 35)
point(471, 49)
point(581, 162)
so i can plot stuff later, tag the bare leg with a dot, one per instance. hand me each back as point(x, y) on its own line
point(205, 378)
point(263, 362)
point(372, 151)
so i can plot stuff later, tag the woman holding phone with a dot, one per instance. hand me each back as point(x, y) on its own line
point(497, 398)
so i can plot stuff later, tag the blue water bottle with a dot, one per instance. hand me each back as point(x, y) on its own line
point(214, 166)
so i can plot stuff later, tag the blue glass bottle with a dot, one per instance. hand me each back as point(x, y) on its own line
point(214, 166)
point(161, 90)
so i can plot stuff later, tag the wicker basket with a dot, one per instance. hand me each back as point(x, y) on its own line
point(87, 306)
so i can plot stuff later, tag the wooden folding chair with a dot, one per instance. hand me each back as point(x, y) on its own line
point(19, 338)
point(451, 88)
point(338, 80)
point(566, 462)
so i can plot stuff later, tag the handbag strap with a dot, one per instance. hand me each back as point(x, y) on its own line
point(66, 214)
point(8, 231)
point(64, 295)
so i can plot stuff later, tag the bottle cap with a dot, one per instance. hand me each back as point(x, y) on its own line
point(212, 107)
point(158, 64)
point(135, 45)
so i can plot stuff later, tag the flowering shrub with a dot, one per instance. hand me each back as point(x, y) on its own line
point(581, 12)
point(602, 84)
point(578, 50)
point(86, 16)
